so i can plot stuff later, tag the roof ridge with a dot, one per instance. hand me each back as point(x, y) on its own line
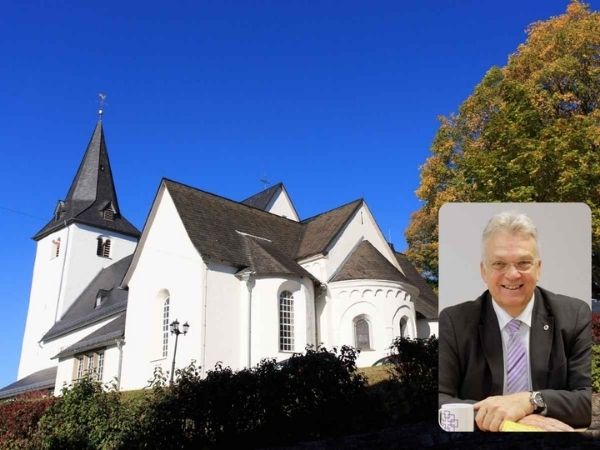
point(228, 199)
point(361, 199)
point(273, 187)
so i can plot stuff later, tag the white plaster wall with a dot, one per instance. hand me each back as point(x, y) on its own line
point(58, 281)
point(265, 316)
point(223, 318)
point(165, 260)
point(64, 374)
point(43, 297)
point(83, 264)
point(383, 303)
point(281, 205)
point(361, 227)
point(427, 328)
point(40, 355)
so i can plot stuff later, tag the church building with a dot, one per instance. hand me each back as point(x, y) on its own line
point(250, 279)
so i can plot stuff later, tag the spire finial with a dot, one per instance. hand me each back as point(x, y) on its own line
point(101, 100)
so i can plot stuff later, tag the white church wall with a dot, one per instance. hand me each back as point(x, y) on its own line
point(59, 280)
point(282, 206)
point(265, 316)
point(221, 338)
point(381, 303)
point(427, 328)
point(166, 264)
point(47, 270)
point(65, 373)
point(83, 263)
point(361, 227)
point(40, 357)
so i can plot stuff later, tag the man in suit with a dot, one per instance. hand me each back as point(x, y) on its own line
point(518, 352)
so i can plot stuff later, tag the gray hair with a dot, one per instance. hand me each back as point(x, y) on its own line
point(512, 222)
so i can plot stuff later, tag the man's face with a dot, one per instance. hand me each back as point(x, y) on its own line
point(511, 269)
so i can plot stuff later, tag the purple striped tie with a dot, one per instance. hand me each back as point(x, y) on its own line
point(516, 361)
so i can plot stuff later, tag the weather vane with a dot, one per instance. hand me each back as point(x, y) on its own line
point(101, 100)
point(265, 181)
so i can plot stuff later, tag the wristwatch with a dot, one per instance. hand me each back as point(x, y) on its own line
point(539, 405)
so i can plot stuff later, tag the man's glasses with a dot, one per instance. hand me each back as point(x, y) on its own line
point(521, 266)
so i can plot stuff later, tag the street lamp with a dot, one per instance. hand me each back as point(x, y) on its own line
point(176, 331)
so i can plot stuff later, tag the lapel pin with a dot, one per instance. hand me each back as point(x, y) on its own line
point(546, 327)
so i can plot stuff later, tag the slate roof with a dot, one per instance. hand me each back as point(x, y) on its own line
point(106, 335)
point(367, 263)
point(427, 302)
point(320, 230)
point(266, 259)
point(83, 312)
point(262, 199)
point(40, 380)
point(91, 191)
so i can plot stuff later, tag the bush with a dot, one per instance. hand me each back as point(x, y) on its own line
point(20, 418)
point(85, 417)
point(415, 370)
point(596, 368)
point(308, 397)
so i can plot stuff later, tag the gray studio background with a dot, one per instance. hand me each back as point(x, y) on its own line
point(564, 234)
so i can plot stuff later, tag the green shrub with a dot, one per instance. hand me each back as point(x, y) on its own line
point(85, 417)
point(596, 368)
point(415, 370)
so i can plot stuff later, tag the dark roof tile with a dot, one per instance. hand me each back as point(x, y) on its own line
point(41, 380)
point(427, 302)
point(92, 190)
point(103, 336)
point(83, 312)
point(262, 199)
point(366, 263)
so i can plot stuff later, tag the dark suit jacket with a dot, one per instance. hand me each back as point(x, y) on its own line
point(471, 363)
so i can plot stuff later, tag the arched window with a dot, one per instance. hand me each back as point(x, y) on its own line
point(165, 328)
point(103, 248)
point(403, 326)
point(362, 336)
point(286, 322)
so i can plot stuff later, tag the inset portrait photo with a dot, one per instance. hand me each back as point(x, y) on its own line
point(515, 315)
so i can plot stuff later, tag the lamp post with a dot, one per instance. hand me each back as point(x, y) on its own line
point(176, 331)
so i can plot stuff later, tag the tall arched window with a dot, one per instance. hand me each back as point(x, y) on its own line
point(286, 322)
point(165, 328)
point(362, 336)
point(403, 326)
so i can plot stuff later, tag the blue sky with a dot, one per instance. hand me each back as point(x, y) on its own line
point(338, 100)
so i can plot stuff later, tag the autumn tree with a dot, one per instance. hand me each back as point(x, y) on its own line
point(530, 131)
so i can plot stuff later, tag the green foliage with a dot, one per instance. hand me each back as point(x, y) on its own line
point(85, 417)
point(415, 369)
point(596, 368)
point(528, 132)
point(309, 396)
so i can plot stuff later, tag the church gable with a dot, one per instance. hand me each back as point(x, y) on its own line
point(164, 236)
point(366, 263)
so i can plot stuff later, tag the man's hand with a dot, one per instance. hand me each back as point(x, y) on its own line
point(492, 411)
point(545, 423)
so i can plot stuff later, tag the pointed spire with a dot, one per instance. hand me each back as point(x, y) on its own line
point(92, 198)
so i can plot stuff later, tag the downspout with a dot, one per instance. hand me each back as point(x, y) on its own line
point(120, 343)
point(205, 306)
point(62, 273)
point(250, 284)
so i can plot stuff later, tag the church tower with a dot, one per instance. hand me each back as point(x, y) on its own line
point(86, 234)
